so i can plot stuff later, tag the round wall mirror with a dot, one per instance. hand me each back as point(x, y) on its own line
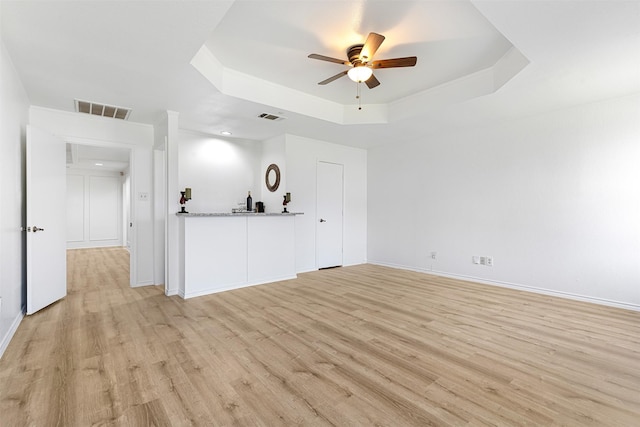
point(272, 177)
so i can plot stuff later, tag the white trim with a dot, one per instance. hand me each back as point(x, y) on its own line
point(101, 142)
point(145, 283)
point(560, 294)
point(133, 220)
point(12, 330)
point(233, 287)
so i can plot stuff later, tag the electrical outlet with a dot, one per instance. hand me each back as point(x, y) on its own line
point(434, 255)
point(482, 260)
point(143, 196)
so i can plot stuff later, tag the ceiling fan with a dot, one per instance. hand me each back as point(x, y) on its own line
point(362, 64)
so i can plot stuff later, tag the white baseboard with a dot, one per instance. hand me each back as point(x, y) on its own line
point(235, 286)
point(310, 270)
point(143, 283)
point(560, 294)
point(12, 330)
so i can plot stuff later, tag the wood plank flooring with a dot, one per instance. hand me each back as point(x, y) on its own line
point(353, 346)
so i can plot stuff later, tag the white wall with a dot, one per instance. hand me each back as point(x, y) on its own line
point(83, 128)
point(219, 171)
point(273, 151)
point(14, 106)
point(303, 155)
point(94, 208)
point(555, 199)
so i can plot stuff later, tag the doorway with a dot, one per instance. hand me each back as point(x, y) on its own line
point(48, 206)
point(329, 215)
point(98, 197)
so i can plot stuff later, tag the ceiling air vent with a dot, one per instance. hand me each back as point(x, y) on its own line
point(271, 117)
point(103, 110)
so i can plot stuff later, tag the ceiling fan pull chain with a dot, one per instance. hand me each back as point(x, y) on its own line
point(358, 95)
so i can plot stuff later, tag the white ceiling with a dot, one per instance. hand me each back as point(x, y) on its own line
point(81, 156)
point(272, 39)
point(478, 61)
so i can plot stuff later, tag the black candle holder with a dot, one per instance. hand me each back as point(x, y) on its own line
point(287, 199)
point(184, 198)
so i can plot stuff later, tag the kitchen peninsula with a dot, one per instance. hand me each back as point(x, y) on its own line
point(224, 251)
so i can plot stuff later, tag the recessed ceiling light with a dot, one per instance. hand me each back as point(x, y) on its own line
point(225, 133)
point(99, 164)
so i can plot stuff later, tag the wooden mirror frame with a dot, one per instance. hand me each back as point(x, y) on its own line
point(272, 186)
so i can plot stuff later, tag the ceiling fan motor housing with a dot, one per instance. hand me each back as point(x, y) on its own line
point(353, 53)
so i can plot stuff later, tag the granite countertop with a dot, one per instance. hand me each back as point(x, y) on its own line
point(199, 214)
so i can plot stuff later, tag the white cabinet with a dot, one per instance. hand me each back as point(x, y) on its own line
point(221, 252)
point(271, 251)
point(214, 254)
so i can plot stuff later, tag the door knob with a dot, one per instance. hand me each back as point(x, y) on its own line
point(323, 220)
point(36, 229)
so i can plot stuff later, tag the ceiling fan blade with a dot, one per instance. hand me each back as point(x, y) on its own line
point(374, 40)
point(336, 77)
point(372, 82)
point(329, 59)
point(409, 61)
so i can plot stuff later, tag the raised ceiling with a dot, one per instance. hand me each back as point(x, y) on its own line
point(222, 63)
point(259, 52)
point(271, 41)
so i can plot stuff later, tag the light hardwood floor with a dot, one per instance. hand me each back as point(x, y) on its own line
point(354, 346)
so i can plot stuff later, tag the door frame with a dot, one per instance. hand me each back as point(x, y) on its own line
point(132, 206)
point(317, 217)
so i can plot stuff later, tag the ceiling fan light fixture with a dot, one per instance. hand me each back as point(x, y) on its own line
point(360, 73)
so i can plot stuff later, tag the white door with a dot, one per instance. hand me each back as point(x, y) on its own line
point(329, 214)
point(46, 219)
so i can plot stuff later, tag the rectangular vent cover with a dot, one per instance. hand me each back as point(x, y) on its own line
point(271, 117)
point(103, 110)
